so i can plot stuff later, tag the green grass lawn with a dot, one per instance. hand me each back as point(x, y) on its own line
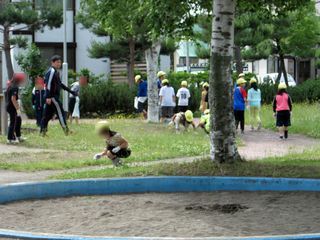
point(305, 119)
point(304, 165)
point(148, 142)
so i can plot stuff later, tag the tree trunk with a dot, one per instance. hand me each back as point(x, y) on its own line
point(224, 149)
point(131, 62)
point(283, 70)
point(152, 55)
point(238, 58)
point(7, 50)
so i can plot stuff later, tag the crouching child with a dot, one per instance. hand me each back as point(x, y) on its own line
point(205, 121)
point(117, 147)
point(183, 118)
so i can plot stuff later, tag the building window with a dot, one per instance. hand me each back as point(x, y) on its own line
point(47, 50)
point(41, 3)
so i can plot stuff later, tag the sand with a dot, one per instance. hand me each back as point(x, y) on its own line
point(163, 215)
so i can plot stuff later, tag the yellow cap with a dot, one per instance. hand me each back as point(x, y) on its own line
point(205, 84)
point(253, 80)
point(161, 73)
point(189, 116)
point(241, 81)
point(164, 81)
point(282, 86)
point(137, 78)
point(201, 84)
point(241, 75)
point(102, 126)
point(184, 83)
point(207, 111)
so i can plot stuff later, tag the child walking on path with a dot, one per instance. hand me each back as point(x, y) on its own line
point(254, 102)
point(239, 106)
point(282, 107)
point(117, 146)
point(13, 109)
point(183, 95)
point(38, 99)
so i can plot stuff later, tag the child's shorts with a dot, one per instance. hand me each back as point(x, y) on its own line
point(283, 119)
point(123, 153)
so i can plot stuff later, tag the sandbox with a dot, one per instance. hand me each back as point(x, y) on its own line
point(185, 207)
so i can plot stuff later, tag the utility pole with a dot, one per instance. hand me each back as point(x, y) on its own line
point(188, 57)
point(65, 63)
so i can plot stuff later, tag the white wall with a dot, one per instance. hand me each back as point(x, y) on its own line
point(84, 39)
point(56, 34)
point(165, 63)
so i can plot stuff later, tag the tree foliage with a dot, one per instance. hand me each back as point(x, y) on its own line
point(21, 15)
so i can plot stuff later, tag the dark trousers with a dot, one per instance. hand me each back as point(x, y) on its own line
point(14, 130)
point(182, 108)
point(239, 117)
point(49, 110)
point(39, 115)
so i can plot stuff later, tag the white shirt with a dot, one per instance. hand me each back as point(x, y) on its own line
point(183, 95)
point(167, 94)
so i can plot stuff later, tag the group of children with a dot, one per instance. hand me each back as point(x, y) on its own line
point(282, 106)
point(46, 103)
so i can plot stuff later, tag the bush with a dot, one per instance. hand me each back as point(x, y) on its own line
point(26, 100)
point(107, 98)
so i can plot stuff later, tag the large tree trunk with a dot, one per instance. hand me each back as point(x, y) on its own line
point(224, 149)
point(152, 56)
point(283, 70)
point(131, 62)
point(238, 58)
point(7, 50)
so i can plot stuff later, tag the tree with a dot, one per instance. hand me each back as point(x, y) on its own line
point(31, 62)
point(148, 22)
point(222, 135)
point(220, 91)
point(124, 26)
point(22, 16)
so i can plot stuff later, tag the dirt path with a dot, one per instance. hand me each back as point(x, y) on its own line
point(256, 145)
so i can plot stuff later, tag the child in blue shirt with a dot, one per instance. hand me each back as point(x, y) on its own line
point(239, 104)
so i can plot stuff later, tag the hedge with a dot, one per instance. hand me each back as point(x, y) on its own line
point(107, 98)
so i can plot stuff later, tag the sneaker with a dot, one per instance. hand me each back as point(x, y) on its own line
point(117, 162)
point(21, 139)
point(66, 131)
point(259, 127)
point(43, 132)
point(13, 142)
point(252, 128)
point(281, 138)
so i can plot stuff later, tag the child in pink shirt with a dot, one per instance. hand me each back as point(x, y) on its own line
point(282, 107)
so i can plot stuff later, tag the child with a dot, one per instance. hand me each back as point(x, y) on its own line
point(185, 119)
point(282, 107)
point(254, 101)
point(38, 99)
point(142, 96)
point(205, 121)
point(13, 109)
point(239, 105)
point(167, 100)
point(117, 146)
point(204, 97)
point(183, 95)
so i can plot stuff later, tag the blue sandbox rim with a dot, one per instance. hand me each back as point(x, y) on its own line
point(85, 187)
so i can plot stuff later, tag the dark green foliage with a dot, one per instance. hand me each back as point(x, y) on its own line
point(107, 98)
point(31, 62)
point(26, 100)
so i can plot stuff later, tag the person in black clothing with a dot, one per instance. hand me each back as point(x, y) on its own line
point(13, 109)
point(38, 99)
point(53, 104)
